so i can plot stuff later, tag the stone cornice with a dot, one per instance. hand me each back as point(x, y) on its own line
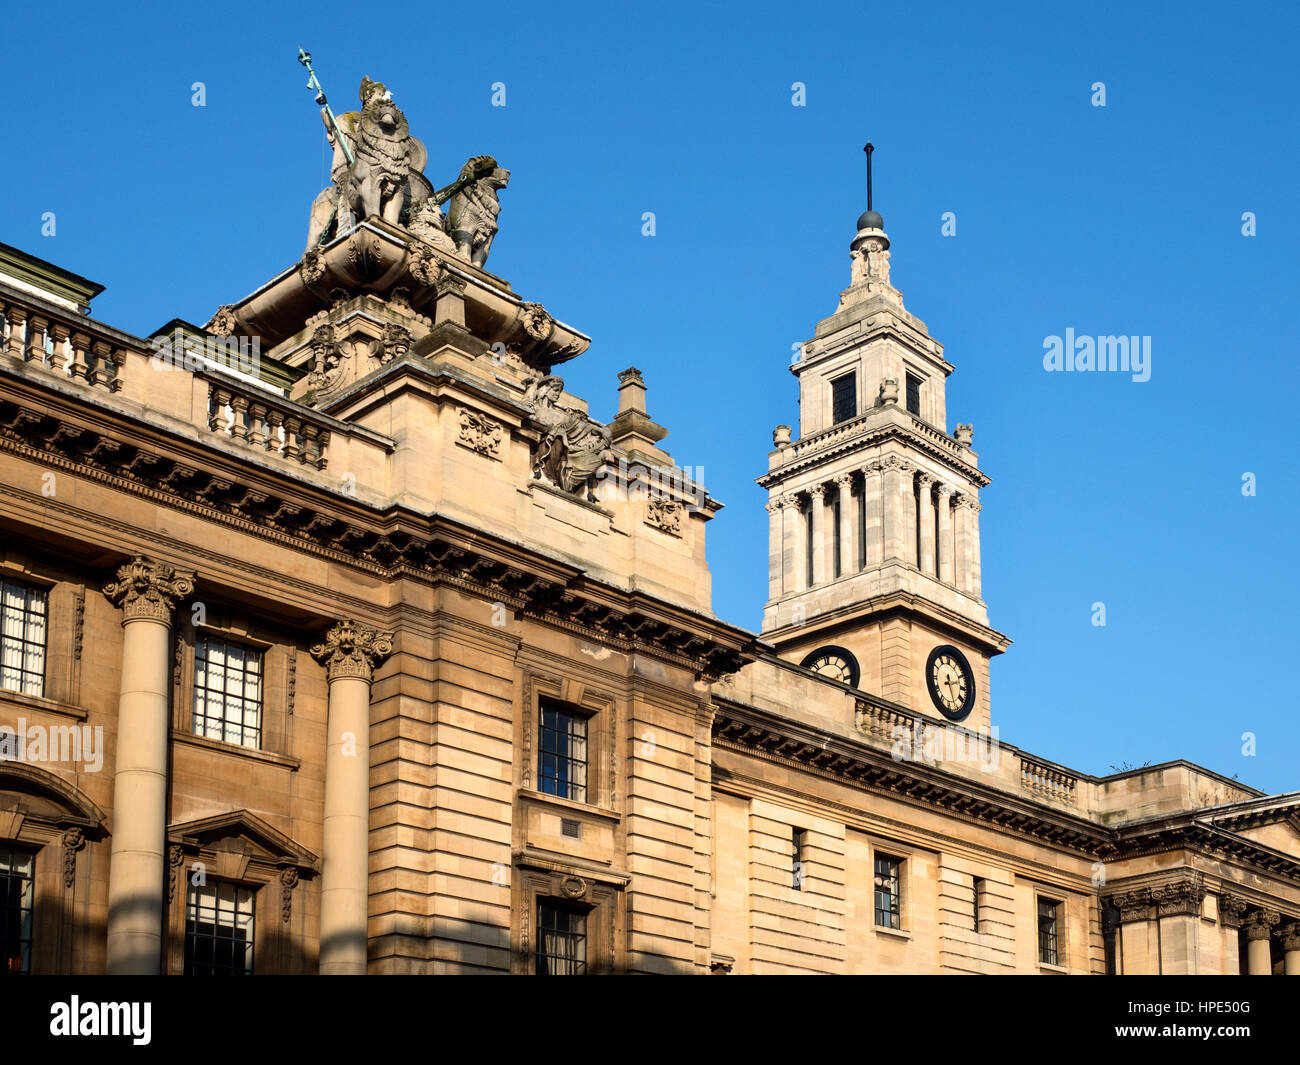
point(847, 437)
point(284, 508)
point(748, 730)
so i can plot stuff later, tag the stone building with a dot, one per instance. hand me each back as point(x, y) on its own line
point(337, 637)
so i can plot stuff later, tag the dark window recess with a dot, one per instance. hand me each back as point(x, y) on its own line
point(219, 930)
point(798, 837)
point(1048, 933)
point(978, 888)
point(888, 892)
point(17, 867)
point(561, 940)
point(914, 394)
point(844, 398)
point(562, 752)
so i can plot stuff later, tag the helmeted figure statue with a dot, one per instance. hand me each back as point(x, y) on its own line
point(574, 446)
point(386, 174)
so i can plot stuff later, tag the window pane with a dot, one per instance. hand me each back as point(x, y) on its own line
point(562, 752)
point(17, 867)
point(844, 398)
point(228, 692)
point(22, 637)
point(219, 930)
point(561, 940)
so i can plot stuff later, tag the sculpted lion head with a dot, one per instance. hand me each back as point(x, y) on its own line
point(484, 171)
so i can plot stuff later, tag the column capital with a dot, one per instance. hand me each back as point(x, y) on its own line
point(772, 506)
point(844, 480)
point(1136, 905)
point(925, 480)
point(1231, 909)
point(148, 589)
point(790, 501)
point(817, 491)
point(1259, 925)
point(874, 466)
point(1290, 934)
point(943, 489)
point(349, 650)
point(892, 462)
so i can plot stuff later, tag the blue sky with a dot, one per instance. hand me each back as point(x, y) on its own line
point(1117, 220)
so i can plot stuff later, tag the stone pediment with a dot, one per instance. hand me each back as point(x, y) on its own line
point(239, 837)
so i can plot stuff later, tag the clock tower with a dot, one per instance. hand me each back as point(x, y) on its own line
point(874, 557)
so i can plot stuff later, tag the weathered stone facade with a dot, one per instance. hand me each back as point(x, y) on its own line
point(414, 554)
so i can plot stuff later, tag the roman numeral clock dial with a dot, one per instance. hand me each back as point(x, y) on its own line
point(951, 682)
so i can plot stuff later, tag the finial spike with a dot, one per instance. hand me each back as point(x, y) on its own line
point(869, 149)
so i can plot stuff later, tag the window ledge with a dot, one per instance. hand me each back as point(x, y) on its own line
point(47, 706)
point(1045, 967)
point(896, 933)
point(269, 757)
point(570, 804)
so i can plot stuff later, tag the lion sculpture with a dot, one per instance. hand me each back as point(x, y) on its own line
point(472, 214)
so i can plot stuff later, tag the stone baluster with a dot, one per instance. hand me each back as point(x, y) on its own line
point(36, 326)
point(147, 592)
point(60, 361)
point(80, 362)
point(256, 421)
point(100, 374)
point(274, 423)
point(349, 654)
point(17, 342)
point(292, 427)
point(217, 415)
point(239, 426)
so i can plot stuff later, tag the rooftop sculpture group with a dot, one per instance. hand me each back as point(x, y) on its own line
point(378, 170)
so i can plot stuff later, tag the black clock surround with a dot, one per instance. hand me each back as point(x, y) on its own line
point(968, 704)
point(832, 651)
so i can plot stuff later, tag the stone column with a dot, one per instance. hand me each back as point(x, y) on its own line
point(909, 513)
point(848, 525)
point(349, 654)
point(789, 543)
point(975, 548)
point(146, 591)
point(819, 537)
point(925, 516)
point(961, 538)
point(945, 533)
point(1291, 948)
point(1231, 910)
point(1259, 927)
point(1138, 931)
point(874, 487)
point(800, 546)
point(893, 510)
point(774, 545)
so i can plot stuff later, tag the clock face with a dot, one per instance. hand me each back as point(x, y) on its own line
point(834, 662)
point(951, 682)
